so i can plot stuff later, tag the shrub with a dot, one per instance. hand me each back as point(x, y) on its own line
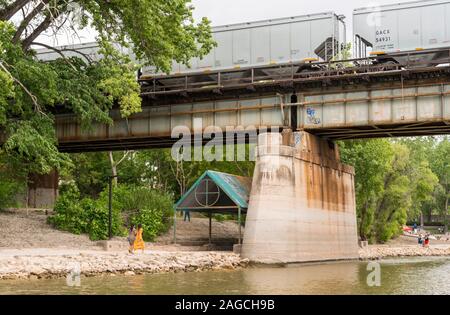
point(9, 191)
point(154, 212)
point(84, 216)
point(152, 222)
point(98, 219)
point(69, 215)
point(228, 217)
point(222, 217)
point(137, 205)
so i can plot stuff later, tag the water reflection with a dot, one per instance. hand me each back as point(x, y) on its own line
point(336, 278)
point(399, 276)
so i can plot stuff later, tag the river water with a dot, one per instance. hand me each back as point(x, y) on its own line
point(397, 276)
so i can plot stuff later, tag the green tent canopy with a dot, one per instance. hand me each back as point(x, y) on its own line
point(216, 192)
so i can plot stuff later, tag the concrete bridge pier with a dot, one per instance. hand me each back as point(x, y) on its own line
point(302, 204)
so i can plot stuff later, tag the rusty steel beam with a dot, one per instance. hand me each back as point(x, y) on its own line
point(311, 103)
point(325, 134)
point(387, 134)
point(428, 88)
point(134, 144)
point(398, 134)
point(167, 141)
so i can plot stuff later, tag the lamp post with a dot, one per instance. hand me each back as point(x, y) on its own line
point(110, 206)
point(175, 225)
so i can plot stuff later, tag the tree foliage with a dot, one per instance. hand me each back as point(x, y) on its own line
point(130, 204)
point(158, 31)
point(12, 182)
point(155, 169)
point(435, 156)
point(395, 182)
point(32, 91)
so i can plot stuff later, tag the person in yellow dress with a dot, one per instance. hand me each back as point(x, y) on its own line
point(139, 241)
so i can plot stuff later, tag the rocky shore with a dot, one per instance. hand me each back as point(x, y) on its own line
point(47, 266)
point(31, 249)
point(376, 252)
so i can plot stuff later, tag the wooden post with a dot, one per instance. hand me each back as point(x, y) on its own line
point(210, 228)
point(175, 226)
point(240, 227)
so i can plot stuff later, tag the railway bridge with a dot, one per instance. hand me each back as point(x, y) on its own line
point(302, 203)
point(332, 100)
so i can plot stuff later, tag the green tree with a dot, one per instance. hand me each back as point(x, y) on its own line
point(394, 183)
point(31, 91)
point(130, 204)
point(90, 174)
point(12, 182)
point(155, 169)
point(158, 31)
point(440, 163)
point(371, 160)
point(396, 197)
point(431, 157)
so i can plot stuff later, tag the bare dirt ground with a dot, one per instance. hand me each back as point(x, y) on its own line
point(196, 232)
point(410, 240)
point(30, 248)
point(19, 230)
point(405, 246)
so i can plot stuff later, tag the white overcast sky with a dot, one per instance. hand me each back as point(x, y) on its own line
point(235, 11)
point(222, 12)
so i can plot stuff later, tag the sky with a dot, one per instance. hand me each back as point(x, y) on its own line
point(235, 11)
point(222, 12)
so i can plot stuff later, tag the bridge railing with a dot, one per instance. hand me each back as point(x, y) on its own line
point(304, 71)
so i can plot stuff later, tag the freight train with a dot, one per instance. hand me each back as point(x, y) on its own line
point(309, 38)
point(406, 33)
point(411, 33)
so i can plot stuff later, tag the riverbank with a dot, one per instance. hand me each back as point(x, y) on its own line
point(48, 264)
point(58, 263)
point(403, 276)
point(19, 229)
point(376, 252)
point(31, 249)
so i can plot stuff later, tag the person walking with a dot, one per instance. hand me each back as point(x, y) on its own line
point(139, 241)
point(131, 238)
point(187, 215)
point(426, 242)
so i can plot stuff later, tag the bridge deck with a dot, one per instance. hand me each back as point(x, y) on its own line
point(335, 103)
point(285, 75)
